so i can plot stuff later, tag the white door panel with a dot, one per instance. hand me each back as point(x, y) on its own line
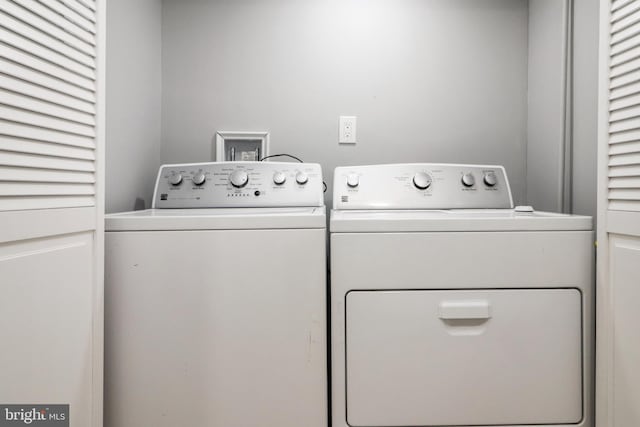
point(505, 356)
point(618, 287)
point(625, 284)
point(46, 315)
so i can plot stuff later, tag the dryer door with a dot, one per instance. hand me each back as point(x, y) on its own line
point(482, 357)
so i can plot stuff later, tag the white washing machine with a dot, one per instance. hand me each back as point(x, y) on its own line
point(451, 308)
point(215, 300)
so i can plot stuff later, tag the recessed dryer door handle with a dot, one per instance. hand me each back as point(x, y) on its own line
point(459, 310)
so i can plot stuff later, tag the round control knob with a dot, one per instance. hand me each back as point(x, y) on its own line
point(175, 179)
point(279, 178)
point(422, 180)
point(490, 179)
point(468, 180)
point(239, 178)
point(353, 180)
point(199, 178)
point(302, 178)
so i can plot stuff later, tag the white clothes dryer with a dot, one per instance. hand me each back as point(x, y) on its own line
point(215, 300)
point(450, 307)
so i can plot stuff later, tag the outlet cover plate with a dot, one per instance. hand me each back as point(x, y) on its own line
point(347, 129)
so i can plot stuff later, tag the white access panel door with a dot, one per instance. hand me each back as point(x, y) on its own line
point(451, 358)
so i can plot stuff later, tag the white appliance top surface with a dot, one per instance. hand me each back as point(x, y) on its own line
point(217, 219)
point(364, 221)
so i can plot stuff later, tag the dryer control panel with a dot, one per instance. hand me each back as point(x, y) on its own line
point(421, 186)
point(239, 184)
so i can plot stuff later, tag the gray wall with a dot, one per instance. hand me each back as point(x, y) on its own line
point(585, 105)
point(134, 36)
point(430, 80)
point(398, 65)
point(545, 112)
point(545, 129)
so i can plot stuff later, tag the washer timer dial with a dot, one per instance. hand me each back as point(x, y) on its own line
point(422, 180)
point(239, 178)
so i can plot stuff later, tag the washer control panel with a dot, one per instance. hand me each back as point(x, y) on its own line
point(421, 186)
point(239, 184)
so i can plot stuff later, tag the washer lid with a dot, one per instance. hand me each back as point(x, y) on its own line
point(381, 221)
point(217, 219)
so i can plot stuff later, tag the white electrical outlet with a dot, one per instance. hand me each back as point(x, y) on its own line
point(347, 129)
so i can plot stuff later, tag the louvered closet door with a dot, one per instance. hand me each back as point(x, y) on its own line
point(618, 367)
point(47, 104)
point(51, 204)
